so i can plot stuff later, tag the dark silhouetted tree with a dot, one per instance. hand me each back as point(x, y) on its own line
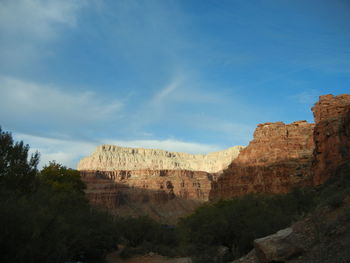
point(17, 170)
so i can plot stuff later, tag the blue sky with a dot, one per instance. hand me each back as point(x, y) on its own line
point(181, 75)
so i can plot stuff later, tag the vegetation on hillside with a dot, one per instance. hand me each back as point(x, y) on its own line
point(45, 217)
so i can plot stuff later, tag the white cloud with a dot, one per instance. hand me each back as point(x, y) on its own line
point(37, 18)
point(22, 101)
point(65, 152)
point(69, 152)
point(27, 25)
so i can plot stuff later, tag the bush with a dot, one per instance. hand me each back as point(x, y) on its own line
point(236, 223)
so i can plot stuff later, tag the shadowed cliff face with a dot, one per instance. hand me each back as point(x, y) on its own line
point(164, 195)
point(331, 135)
point(276, 160)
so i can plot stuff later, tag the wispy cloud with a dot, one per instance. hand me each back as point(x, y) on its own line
point(27, 25)
point(37, 18)
point(33, 103)
point(307, 97)
point(167, 91)
point(66, 152)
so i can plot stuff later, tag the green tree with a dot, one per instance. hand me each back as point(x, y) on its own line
point(51, 222)
point(61, 177)
point(17, 170)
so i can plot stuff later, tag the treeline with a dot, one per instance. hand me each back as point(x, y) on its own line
point(44, 215)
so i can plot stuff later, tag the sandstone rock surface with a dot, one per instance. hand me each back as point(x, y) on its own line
point(331, 135)
point(110, 158)
point(276, 160)
point(164, 185)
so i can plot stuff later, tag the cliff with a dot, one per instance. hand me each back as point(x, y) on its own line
point(331, 135)
point(164, 185)
point(110, 158)
point(165, 195)
point(324, 235)
point(276, 160)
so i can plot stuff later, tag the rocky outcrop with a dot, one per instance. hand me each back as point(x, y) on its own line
point(321, 237)
point(331, 135)
point(111, 157)
point(276, 160)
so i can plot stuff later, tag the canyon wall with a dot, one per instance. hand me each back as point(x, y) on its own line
point(164, 195)
point(168, 185)
point(331, 135)
point(164, 185)
point(276, 160)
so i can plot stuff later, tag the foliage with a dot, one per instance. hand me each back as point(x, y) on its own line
point(62, 178)
point(45, 216)
point(17, 173)
point(236, 223)
point(144, 234)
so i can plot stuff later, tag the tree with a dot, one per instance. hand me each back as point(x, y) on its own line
point(59, 176)
point(45, 217)
point(17, 171)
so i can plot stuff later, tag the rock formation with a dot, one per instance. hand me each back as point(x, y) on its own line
point(321, 237)
point(132, 193)
point(279, 158)
point(110, 158)
point(164, 185)
point(276, 160)
point(331, 135)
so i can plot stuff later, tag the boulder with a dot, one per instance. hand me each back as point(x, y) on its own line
point(277, 247)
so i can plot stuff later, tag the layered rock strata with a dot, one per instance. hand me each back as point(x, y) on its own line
point(276, 160)
point(165, 195)
point(111, 157)
point(331, 135)
point(130, 181)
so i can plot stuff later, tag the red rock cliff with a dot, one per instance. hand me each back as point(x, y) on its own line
point(276, 160)
point(331, 135)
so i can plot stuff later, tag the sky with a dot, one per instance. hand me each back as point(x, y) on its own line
point(180, 75)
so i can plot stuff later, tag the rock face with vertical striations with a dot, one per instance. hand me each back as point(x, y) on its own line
point(331, 135)
point(276, 160)
point(164, 185)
